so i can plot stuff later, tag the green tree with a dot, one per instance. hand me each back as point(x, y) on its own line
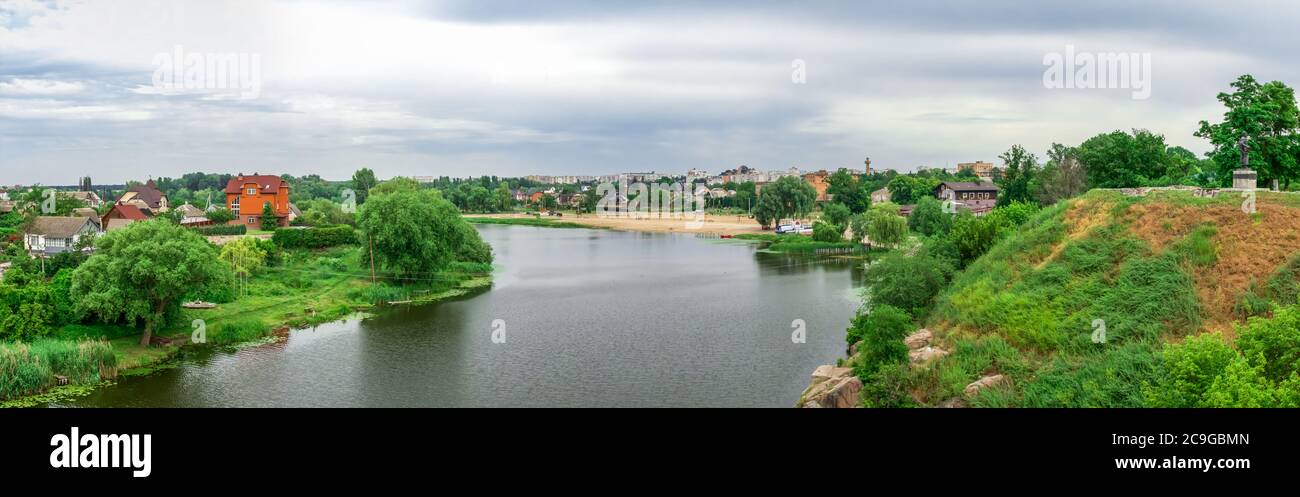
point(1062, 177)
point(836, 214)
point(362, 181)
point(417, 232)
point(928, 218)
point(788, 197)
point(848, 191)
point(269, 222)
point(142, 271)
point(1124, 160)
point(768, 210)
point(503, 200)
point(1019, 171)
point(910, 189)
point(884, 227)
point(1267, 115)
point(244, 255)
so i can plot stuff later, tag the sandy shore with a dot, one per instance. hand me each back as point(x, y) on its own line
point(722, 225)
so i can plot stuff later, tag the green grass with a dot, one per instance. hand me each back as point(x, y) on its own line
point(307, 288)
point(796, 243)
point(527, 221)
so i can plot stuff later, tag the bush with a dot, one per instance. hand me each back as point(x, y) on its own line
point(314, 238)
point(1188, 370)
point(906, 282)
point(881, 332)
point(222, 230)
point(887, 387)
point(1273, 344)
point(826, 232)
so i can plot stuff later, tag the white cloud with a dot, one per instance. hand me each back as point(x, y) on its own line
point(19, 87)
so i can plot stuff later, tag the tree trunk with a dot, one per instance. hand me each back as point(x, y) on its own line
point(148, 333)
point(148, 324)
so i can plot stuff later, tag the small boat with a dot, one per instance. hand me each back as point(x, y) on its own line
point(199, 304)
point(725, 236)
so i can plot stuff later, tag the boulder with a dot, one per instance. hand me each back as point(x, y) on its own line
point(919, 339)
point(925, 355)
point(827, 371)
point(986, 382)
point(832, 387)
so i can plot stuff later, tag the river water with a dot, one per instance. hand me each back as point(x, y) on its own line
point(590, 318)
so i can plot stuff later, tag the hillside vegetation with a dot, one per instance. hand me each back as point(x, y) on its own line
point(1166, 299)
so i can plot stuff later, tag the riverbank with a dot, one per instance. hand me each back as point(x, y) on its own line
point(712, 224)
point(305, 288)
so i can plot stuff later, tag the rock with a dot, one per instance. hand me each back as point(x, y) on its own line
point(919, 339)
point(926, 354)
point(812, 404)
point(985, 382)
point(827, 371)
point(837, 392)
point(953, 403)
point(832, 387)
point(853, 349)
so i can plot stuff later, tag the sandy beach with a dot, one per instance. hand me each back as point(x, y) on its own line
point(722, 225)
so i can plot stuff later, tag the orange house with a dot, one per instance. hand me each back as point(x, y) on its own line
point(247, 195)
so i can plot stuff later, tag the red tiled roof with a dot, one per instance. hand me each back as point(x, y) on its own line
point(265, 183)
point(128, 211)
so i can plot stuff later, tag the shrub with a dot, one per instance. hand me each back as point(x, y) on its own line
point(928, 218)
point(827, 232)
point(881, 332)
point(314, 238)
point(906, 282)
point(1273, 344)
point(222, 230)
point(1188, 370)
point(887, 387)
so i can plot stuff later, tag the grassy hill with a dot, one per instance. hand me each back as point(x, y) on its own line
point(1170, 277)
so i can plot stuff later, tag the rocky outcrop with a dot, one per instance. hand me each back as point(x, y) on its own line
point(986, 382)
point(920, 338)
point(832, 387)
point(925, 355)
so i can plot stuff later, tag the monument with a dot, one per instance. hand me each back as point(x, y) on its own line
point(1244, 178)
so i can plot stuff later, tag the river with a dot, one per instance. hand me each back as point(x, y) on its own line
point(590, 318)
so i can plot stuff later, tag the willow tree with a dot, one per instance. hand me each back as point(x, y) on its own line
point(416, 232)
point(141, 272)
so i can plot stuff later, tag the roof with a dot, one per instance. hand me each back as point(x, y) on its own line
point(969, 186)
point(188, 210)
point(86, 196)
point(265, 183)
point(86, 212)
point(59, 227)
point(149, 193)
point(127, 211)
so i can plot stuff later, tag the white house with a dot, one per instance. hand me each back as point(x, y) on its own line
point(51, 235)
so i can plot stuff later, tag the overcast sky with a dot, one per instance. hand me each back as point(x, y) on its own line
point(585, 87)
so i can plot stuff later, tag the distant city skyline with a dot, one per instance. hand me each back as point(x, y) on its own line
point(513, 89)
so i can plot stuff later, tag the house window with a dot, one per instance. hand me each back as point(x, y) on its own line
point(33, 240)
point(252, 192)
point(57, 242)
point(251, 220)
point(235, 205)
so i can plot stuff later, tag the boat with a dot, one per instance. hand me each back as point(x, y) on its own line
point(199, 304)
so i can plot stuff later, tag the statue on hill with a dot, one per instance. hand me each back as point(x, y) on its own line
point(1245, 151)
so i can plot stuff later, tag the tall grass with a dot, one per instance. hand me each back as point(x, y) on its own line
point(26, 369)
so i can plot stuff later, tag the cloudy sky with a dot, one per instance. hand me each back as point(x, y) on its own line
point(587, 87)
